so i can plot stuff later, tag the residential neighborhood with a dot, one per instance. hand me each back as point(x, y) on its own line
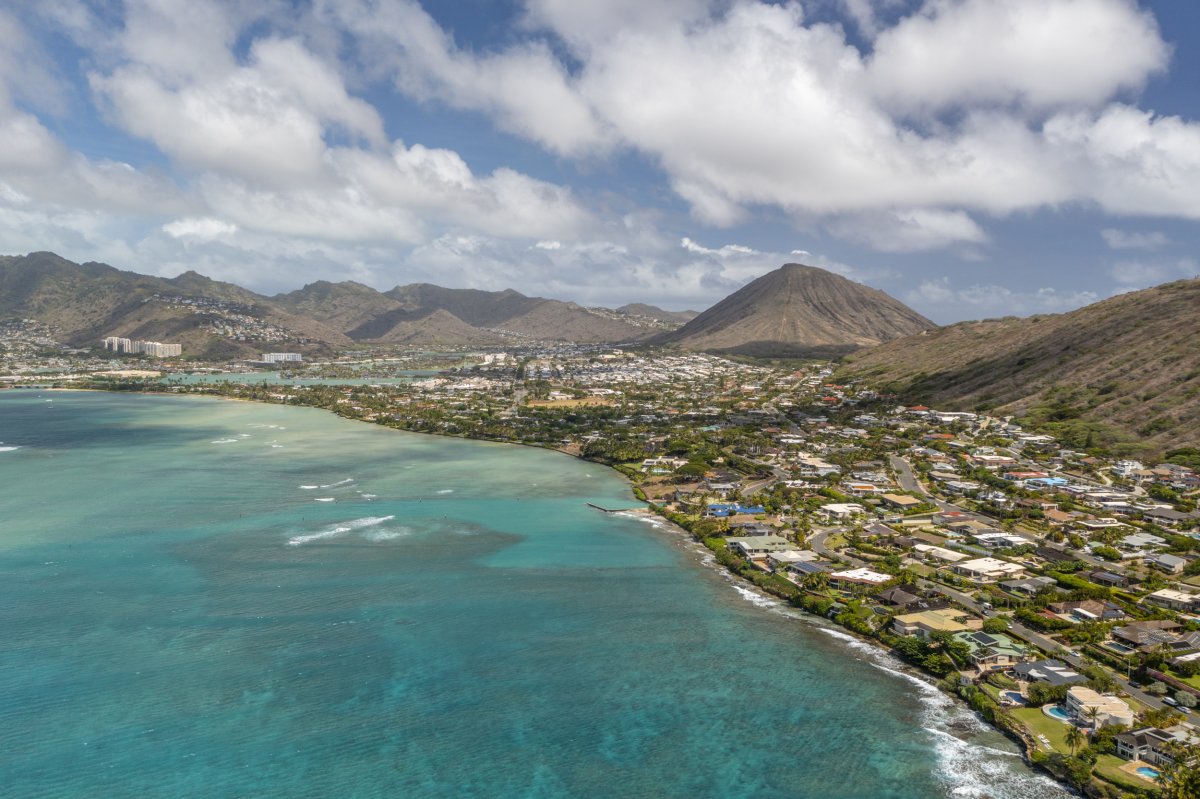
point(1054, 588)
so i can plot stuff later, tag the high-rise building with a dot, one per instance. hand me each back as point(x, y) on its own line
point(153, 348)
point(281, 357)
point(117, 344)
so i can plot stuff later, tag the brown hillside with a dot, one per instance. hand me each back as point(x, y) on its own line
point(1127, 368)
point(798, 311)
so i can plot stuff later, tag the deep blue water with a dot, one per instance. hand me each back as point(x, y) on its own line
point(181, 616)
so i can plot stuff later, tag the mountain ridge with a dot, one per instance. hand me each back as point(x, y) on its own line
point(1124, 371)
point(797, 311)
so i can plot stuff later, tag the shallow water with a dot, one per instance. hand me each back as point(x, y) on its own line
point(181, 618)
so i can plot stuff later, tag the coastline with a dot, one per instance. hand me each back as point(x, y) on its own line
point(652, 514)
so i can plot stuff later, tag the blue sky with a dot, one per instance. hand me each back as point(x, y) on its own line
point(973, 158)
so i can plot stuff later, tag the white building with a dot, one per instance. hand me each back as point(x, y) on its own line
point(842, 510)
point(117, 344)
point(1109, 709)
point(988, 570)
point(282, 357)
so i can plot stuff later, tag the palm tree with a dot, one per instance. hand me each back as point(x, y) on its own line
point(1092, 713)
point(1074, 738)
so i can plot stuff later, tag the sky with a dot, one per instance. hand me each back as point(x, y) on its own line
point(973, 158)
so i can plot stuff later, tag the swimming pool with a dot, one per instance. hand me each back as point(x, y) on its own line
point(1147, 772)
point(1015, 696)
point(1057, 712)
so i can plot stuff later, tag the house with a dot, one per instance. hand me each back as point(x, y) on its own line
point(861, 489)
point(842, 511)
point(1058, 517)
point(898, 597)
point(988, 570)
point(1053, 672)
point(1108, 579)
point(1147, 635)
point(1085, 705)
point(785, 557)
point(1139, 541)
point(854, 577)
point(1029, 586)
point(1087, 610)
point(992, 651)
point(935, 553)
point(1001, 540)
point(803, 568)
point(758, 546)
point(1151, 744)
point(1175, 600)
point(900, 501)
point(1054, 555)
point(923, 623)
point(1171, 564)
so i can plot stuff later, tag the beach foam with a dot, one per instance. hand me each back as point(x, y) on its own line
point(8, 449)
point(969, 769)
point(754, 598)
point(325, 499)
point(446, 491)
point(338, 483)
point(224, 441)
point(309, 488)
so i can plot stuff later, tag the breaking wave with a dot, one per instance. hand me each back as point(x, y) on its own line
point(341, 529)
point(966, 766)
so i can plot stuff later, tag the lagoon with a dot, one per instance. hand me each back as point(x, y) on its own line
point(182, 616)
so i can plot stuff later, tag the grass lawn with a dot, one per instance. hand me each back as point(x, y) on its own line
point(1038, 722)
point(835, 541)
point(991, 690)
point(1108, 767)
point(1192, 681)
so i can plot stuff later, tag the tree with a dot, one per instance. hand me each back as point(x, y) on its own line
point(1074, 737)
point(995, 625)
point(1185, 699)
point(1157, 688)
point(817, 581)
point(1180, 779)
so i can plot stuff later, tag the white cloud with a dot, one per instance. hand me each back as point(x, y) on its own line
point(524, 88)
point(265, 121)
point(911, 230)
point(809, 124)
point(940, 299)
point(1040, 53)
point(1132, 240)
point(204, 228)
point(1131, 275)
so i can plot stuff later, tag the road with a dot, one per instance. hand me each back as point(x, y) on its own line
point(817, 542)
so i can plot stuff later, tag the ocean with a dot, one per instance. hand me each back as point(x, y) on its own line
point(212, 598)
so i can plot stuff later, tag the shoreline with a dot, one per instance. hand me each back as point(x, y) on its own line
point(650, 513)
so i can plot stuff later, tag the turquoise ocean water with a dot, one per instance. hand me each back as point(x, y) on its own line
point(220, 599)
